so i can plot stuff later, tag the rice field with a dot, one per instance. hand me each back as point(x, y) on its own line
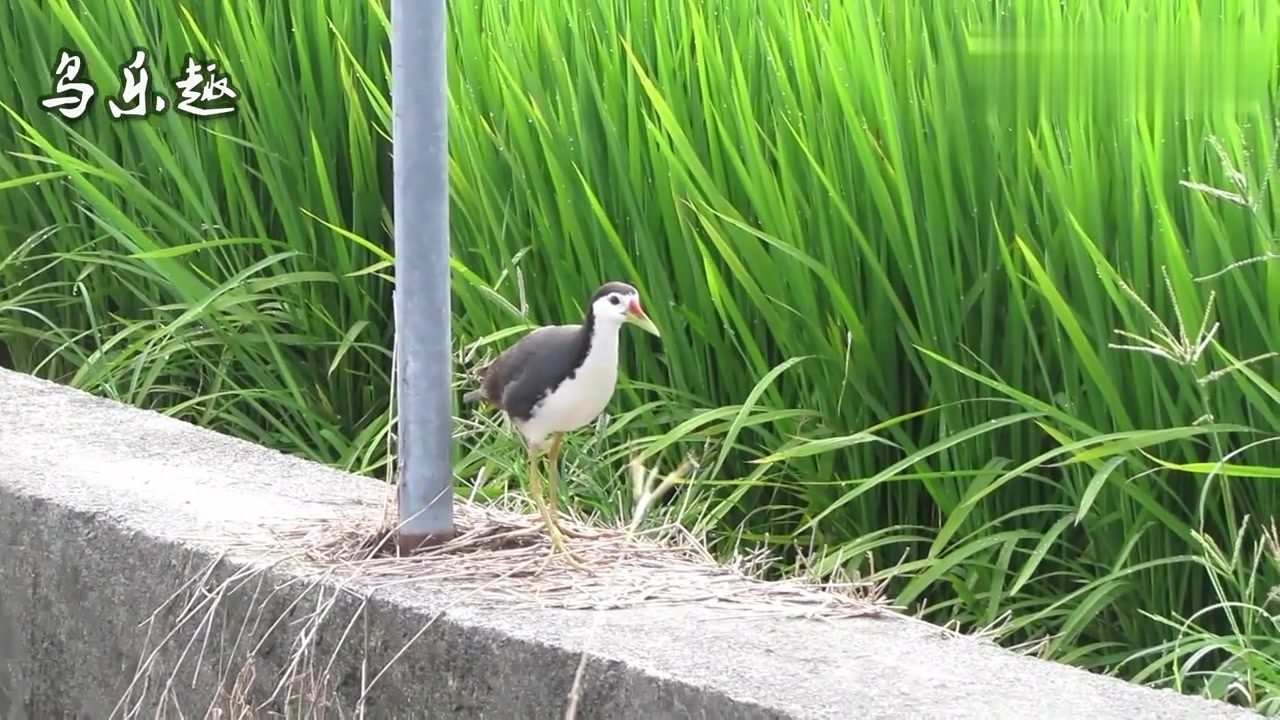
point(978, 299)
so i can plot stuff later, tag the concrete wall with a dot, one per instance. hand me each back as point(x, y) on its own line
point(123, 547)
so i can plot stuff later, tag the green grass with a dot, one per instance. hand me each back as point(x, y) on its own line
point(890, 246)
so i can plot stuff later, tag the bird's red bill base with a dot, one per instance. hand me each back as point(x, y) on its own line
point(637, 317)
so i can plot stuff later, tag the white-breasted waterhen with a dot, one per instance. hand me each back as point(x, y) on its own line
point(559, 378)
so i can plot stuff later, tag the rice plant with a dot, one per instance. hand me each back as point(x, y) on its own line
point(977, 298)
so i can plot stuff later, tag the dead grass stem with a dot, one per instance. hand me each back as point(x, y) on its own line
point(295, 577)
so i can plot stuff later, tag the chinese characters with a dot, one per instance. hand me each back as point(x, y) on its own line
point(204, 91)
point(137, 83)
point(201, 92)
point(71, 95)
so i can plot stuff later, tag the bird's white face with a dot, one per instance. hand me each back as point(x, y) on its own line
point(616, 308)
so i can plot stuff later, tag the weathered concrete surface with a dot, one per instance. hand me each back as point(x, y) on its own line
point(106, 511)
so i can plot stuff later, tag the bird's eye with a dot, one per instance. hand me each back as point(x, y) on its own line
point(614, 299)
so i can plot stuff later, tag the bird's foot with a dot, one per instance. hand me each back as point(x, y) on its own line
point(559, 548)
point(567, 533)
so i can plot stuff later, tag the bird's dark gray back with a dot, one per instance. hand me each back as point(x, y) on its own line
point(535, 366)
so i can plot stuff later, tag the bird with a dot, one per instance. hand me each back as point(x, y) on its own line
point(556, 379)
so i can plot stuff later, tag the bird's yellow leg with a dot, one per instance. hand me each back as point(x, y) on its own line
point(553, 476)
point(558, 546)
point(535, 488)
point(553, 482)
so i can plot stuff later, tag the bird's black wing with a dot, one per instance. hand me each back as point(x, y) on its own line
point(518, 378)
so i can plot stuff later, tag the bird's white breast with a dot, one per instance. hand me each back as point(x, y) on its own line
point(580, 399)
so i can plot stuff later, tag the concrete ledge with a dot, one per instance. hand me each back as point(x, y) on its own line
point(110, 514)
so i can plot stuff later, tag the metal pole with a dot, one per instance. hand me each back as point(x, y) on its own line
point(422, 314)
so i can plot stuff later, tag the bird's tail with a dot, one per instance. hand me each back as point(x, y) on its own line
point(477, 395)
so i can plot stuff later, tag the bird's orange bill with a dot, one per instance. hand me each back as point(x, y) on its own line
point(636, 316)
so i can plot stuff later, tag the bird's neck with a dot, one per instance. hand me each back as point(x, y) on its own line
point(600, 339)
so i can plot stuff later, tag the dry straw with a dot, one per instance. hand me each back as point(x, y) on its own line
point(500, 556)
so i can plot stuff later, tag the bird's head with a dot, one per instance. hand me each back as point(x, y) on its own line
point(616, 303)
